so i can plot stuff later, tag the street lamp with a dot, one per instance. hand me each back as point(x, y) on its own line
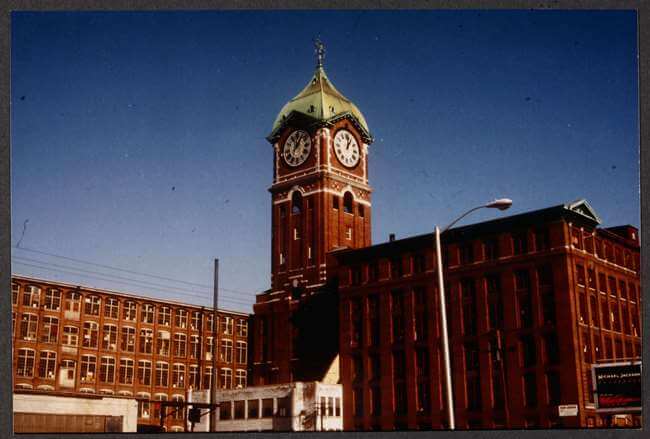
point(501, 204)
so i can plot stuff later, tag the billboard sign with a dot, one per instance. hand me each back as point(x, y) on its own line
point(617, 386)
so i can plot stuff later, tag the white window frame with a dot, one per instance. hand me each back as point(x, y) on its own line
point(130, 311)
point(180, 318)
point(28, 354)
point(225, 378)
point(107, 365)
point(165, 316)
point(92, 305)
point(126, 365)
point(112, 306)
point(31, 333)
point(46, 329)
point(242, 328)
point(144, 370)
point(130, 334)
point(69, 336)
point(164, 372)
point(225, 350)
point(50, 363)
point(90, 376)
point(180, 341)
point(241, 378)
point(109, 339)
point(241, 352)
point(178, 375)
point(34, 296)
point(52, 299)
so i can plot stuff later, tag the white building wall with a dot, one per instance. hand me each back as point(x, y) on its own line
point(304, 413)
point(330, 392)
point(332, 376)
point(67, 405)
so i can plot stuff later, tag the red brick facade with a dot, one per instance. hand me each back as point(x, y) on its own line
point(318, 206)
point(533, 300)
point(74, 340)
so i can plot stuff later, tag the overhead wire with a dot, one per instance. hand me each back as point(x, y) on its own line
point(81, 261)
point(93, 275)
point(146, 283)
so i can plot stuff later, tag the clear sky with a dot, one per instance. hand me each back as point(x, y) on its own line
point(138, 139)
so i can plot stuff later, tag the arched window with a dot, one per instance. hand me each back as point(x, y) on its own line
point(296, 203)
point(347, 202)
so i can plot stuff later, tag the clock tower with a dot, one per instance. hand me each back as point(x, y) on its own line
point(320, 202)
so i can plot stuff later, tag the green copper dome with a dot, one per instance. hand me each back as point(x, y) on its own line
point(322, 102)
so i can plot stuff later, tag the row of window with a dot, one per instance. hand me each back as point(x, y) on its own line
point(415, 264)
point(519, 242)
point(164, 345)
point(72, 303)
point(527, 349)
point(364, 314)
point(615, 307)
point(365, 322)
point(297, 204)
point(267, 408)
point(603, 249)
point(526, 316)
point(605, 284)
point(611, 348)
point(110, 372)
point(473, 395)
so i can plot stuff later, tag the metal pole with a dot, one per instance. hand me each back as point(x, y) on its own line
point(504, 386)
point(445, 335)
point(199, 384)
point(213, 381)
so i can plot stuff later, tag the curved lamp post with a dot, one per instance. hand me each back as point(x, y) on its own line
point(501, 204)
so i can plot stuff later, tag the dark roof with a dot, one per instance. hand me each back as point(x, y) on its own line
point(578, 212)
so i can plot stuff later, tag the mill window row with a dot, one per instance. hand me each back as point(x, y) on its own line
point(72, 303)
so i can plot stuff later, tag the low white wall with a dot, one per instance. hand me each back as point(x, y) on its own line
point(305, 402)
point(68, 405)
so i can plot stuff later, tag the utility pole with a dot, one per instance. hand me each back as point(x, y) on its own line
point(199, 384)
point(213, 384)
point(449, 396)
point(501, 352)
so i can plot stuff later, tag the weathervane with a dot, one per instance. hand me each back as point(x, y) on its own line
point(320, 52)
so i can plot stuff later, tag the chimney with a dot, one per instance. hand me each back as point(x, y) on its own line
point(391, 237)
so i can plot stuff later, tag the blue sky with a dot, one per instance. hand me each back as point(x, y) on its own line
point(138, 139)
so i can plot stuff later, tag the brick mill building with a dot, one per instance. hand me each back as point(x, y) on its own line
point(533, 300)
point(71, 340)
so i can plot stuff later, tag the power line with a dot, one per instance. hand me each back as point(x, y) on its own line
point(134, 283)
point(225, 299)
point(114, 276)
point(81, 261)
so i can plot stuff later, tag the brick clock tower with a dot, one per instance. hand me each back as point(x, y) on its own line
point(320, 201)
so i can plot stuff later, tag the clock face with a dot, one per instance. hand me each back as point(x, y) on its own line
point(346, 148)
point(297, 148)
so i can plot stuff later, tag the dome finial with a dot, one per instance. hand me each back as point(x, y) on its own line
point(320, 52)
